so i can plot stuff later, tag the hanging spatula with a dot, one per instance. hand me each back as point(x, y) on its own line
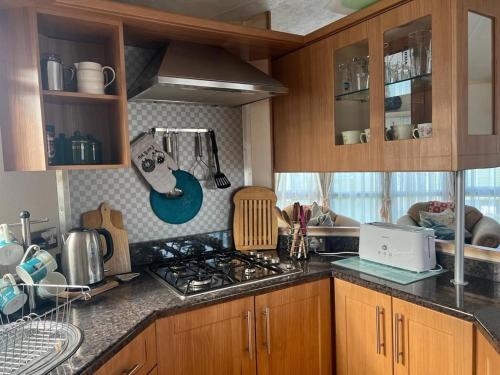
point(220, 178)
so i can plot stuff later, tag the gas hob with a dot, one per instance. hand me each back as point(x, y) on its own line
point(191, 267)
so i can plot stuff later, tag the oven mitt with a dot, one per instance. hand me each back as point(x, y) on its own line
point(154, 164)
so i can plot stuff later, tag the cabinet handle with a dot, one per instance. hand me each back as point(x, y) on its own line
point(268, 331)
point(398, 318)
point(379, 311)
point(132, 371)
point(249, 333)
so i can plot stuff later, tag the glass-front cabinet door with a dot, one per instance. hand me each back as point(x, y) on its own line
point(417, 86)
point(408, 81)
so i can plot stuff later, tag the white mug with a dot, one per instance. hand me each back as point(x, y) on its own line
point(11, 297)
point(402, 131)
point(93, 78)
point(37, 267)
point(351, 137)
point(423, 130)
point(53, 284)
point(365, 136)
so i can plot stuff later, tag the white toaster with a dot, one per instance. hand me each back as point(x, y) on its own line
point(401, 246)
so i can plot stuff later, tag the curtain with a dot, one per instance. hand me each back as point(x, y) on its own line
point(297, 187)
point(482, 190)
point(357, 195)
point(450, 186)
point(408, 188)
point(385, 210)
point(325, 184)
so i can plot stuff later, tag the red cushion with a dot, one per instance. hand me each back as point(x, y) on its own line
point(436, 206)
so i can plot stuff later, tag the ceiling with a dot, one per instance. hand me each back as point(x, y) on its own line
point(293, 16)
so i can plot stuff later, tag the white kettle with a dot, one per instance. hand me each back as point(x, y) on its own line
point(93, 78)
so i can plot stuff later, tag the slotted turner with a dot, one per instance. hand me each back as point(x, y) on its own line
point(221, 181)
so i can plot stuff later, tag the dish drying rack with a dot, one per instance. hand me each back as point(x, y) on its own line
point(35, 344)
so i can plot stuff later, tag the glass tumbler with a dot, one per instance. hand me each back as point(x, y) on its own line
point(419, 43)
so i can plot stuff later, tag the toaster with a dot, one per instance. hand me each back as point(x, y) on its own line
point(402, 246)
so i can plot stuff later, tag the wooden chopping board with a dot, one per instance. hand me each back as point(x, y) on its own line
point(255, 225)
point(120, 261)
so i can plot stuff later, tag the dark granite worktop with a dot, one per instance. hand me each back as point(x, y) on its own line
point(111, 320)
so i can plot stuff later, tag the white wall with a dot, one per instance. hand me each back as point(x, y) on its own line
point(32, 191)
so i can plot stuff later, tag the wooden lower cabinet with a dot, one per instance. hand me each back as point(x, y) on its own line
point(363, 330)
point(215, 340)
point(417, 340)
point(284, 332)
point(137, 358)
point(294, 330)
point(487, 358)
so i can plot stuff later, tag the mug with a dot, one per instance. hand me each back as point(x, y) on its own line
point(366, 135)
point(35, 269)
point(402, 131)
point(93, 78)
point(10, 251)
point(11, 297)
point(49, 286)
point(423, 130)
point(351, 137)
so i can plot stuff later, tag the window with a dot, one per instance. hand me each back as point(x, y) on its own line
point(357, 195)
point(482, 190)
point(297, 187)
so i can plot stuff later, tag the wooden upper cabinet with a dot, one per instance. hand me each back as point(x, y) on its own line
point(214, 340)
point(293, 330)
point(412, 88)
point(363, 330)
point(429, 342)
point(30, 34)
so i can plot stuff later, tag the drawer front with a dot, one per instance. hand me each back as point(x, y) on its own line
point(137, 358)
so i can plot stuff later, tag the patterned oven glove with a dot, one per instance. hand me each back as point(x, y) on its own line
point(154, 164)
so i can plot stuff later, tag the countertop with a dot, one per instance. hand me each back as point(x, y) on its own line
point(111, 320)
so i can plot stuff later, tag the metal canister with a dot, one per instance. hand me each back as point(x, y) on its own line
point(79, 148)
point(95, 150)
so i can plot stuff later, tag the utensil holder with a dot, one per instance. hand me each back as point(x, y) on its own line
point(298, 242)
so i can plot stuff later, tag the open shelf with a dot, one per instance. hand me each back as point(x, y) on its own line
point(60, 97)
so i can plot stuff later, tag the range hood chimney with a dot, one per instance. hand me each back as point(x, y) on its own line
point(195, 73)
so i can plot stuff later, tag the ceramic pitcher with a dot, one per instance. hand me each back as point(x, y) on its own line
point(93, 78)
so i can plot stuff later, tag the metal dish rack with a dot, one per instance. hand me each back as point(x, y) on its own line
point(35, 344)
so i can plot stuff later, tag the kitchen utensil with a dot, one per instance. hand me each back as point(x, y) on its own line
point(221, 180)
point(279, 214)
point(35, 265)
point(210, 182)
point(82, 256)
point(93, 78)
point(295, 212)
point(52, 72)
point(178, 210)
point(255, 225)
point(286, 218)
point(128, 276)
point(53, 278)
point(171, 147)
point(93, 219)
point(120, 262)
point(11, 297)
point(199, 169)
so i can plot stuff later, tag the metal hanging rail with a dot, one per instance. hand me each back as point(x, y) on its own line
point(179, 130)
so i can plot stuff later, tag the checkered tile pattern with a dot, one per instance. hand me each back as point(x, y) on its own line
point(125, 191)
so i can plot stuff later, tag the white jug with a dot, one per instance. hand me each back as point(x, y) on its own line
point(93, 77)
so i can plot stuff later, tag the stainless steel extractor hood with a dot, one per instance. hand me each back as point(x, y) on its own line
point(196, 73)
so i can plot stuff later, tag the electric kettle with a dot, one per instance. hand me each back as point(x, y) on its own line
point(82, 257)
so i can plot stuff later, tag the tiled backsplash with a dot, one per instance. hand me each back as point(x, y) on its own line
point(125, 191)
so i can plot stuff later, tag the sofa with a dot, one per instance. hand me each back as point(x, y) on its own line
point(485, 230)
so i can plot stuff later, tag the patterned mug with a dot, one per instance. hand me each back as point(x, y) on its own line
point(11, 297)
point(37, 267)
